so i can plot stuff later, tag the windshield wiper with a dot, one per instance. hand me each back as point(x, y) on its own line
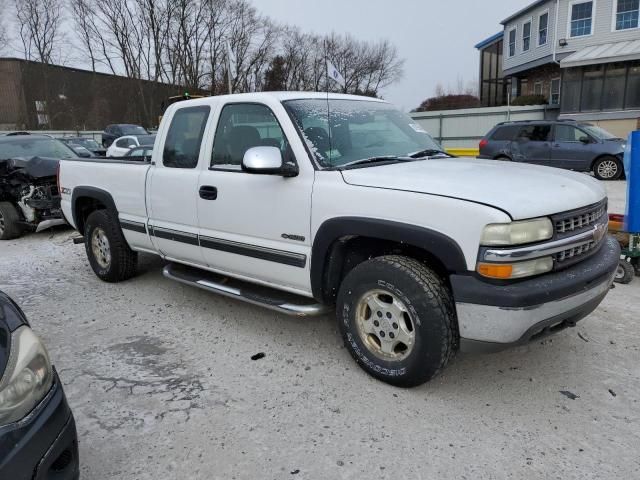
point(430, 152)
point(389, 159)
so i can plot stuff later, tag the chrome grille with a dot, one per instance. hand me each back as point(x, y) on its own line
point(574, 252)
point(581, 220)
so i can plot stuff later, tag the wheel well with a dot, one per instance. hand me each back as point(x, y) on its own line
point(85, 206)
point(348, 252)
point(502, 155)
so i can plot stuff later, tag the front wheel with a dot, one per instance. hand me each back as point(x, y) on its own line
point(607, 168)
point(398, 320)
point(109, 254)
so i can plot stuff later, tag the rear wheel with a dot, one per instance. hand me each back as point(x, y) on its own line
point(9, 222)
point(607, 168)
point(109, 255)
point(397, 319)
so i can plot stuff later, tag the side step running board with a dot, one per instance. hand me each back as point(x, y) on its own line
point(282, 302)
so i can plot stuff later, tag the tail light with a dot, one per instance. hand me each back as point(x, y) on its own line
point(615, 217)
point(483, 143)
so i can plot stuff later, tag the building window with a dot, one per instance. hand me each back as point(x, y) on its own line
point(526, 36)
point(555, 91)
point(571, 84)
point(537, 88)
point(512, 42)
point(41, 113)
point(581, 19)
point(613, 98)
point(611, 87)
point(627, 14)
point(632, 99)
point(543, 28)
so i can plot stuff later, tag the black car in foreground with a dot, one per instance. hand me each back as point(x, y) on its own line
point(38, 438)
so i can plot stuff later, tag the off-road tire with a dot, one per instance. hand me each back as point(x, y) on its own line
point(619, 168)
point(10, 227)
point(431, 307)
point(124, 261)
point(625, 272)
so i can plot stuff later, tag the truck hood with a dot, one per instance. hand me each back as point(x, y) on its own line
point(523, 191)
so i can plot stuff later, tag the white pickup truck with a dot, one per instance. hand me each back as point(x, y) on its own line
point(303, 202)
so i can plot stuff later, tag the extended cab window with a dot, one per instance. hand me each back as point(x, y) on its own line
point(182, 146)
point(241, 127)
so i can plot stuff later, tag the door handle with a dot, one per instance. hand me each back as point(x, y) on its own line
point(207, 192)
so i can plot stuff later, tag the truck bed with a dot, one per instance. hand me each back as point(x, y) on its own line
point(123, 180)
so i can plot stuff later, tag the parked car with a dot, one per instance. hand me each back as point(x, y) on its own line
point(87, 143)
point(29, 197)
point(288, 206)
point(120, 130)
point(38, 436)
point(563, 144)
point(122, 145)
point(140, 153)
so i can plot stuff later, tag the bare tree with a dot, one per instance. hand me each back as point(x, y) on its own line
point(38, 26)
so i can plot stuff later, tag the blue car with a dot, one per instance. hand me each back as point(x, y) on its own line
point(38, 438)
point(562, 144)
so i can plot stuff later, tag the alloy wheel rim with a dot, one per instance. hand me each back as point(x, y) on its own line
point(385, 325)
point(100, 248)
point(608, 169)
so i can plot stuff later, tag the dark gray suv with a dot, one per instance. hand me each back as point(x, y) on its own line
point(563, 144)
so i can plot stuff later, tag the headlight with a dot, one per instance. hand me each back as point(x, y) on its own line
point(507, 271)
point(517, 233)
point(27, 378)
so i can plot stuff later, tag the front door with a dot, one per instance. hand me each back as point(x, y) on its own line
point(532, 145)
point(253, 225)
point(569, 150)
point(172, 188)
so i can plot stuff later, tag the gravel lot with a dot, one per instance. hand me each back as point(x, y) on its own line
point(160, 380)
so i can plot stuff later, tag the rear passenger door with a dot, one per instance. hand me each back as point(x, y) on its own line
point(172, 186)
point(569, 151)
point(532, 145)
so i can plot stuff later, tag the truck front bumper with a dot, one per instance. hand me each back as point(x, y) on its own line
point(493, 317)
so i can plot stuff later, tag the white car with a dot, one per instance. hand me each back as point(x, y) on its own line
point(122, 145)
point(303, 203)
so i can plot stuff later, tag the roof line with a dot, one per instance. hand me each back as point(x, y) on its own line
point(531, 6)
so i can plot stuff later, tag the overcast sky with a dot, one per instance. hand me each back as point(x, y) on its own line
point(435, 37)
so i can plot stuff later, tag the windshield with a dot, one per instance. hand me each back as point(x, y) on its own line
point(146, 139)
point(133, 130)
point(87, 143)
point(359, 129)
point(598, 132)
point(34, 147)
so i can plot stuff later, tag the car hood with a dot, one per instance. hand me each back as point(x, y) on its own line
point(523, 191)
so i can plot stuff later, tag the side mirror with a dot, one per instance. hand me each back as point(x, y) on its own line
point(132, 145)
point(586, 140)
point(267, 161)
